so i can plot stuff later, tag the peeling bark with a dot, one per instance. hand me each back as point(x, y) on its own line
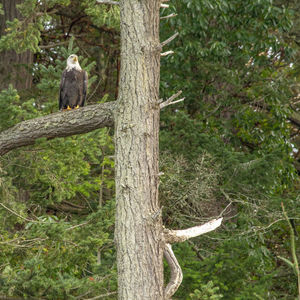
point(60, 124)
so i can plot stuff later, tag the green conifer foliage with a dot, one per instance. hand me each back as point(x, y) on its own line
point(56, 199)
point(235, 65)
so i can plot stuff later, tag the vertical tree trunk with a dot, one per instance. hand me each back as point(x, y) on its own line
point(12, 65)
point(138, 230)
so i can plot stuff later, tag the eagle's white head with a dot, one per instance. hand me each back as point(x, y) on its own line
point(72, 62)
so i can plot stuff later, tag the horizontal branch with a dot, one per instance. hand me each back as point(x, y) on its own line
point(175, 272)
point(174, 102)
point(166, 53)
point(108, 2)
point(169, 16)
point(174, 236)
point(60, 124)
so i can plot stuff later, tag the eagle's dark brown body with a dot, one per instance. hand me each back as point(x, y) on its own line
point(73, 88)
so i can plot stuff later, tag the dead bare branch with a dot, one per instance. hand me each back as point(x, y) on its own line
point(168, 16)
point(175, 270)
point(108, 2)
point(18, 215)
point(174, 236)
point(167, 53)
point(174, 102)
point(170, 100)
point(169, 40)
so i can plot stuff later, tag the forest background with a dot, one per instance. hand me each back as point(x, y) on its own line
point(231, 148)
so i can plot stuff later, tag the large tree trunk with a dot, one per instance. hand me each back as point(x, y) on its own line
point(13, 65)
point(138, 230)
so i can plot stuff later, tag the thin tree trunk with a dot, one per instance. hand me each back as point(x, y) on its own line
point(138, 230)
point(13, 66)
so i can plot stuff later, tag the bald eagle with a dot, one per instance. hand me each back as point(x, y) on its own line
point(73, 85)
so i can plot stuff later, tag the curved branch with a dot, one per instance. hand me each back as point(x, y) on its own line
point(174, 236)
point(60, 124)
point(175, 270)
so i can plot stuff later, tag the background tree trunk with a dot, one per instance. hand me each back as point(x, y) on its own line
point(13, 65)
point(138, 230)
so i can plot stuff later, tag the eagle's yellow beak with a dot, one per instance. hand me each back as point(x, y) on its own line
point(75, 59)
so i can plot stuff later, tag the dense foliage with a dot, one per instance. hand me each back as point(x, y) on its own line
point(229, 149)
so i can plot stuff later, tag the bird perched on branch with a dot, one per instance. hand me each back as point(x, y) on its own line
point(73, 85)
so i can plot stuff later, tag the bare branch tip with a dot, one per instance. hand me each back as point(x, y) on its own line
point(174, 236)
point(170, 39)
point(168, 16)
point(171, 100)
point(167, 53)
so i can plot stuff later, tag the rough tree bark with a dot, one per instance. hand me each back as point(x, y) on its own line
point(12, 64)
point(60, 124)
point(138, 234)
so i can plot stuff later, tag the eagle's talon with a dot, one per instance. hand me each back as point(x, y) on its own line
point(69, 108)
point(77, 106)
